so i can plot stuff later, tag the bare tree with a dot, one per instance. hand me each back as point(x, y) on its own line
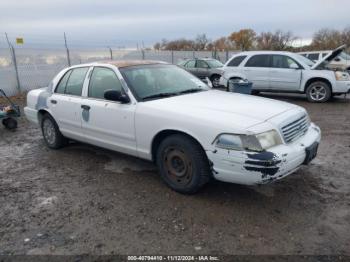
point(278, 40)
point(201, 42)
point(327, 39)
point(157, 46)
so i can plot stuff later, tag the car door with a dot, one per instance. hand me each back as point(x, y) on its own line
point(108, 124)
point(202, 69)
point(65, 102)
point(190, 66)
point(285, 73)
point(256, 69)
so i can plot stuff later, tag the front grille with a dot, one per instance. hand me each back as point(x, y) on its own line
point(295, 129)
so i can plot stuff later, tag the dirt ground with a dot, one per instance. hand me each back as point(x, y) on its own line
point(83, 199)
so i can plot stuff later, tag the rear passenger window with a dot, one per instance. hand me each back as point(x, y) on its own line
point(103, 79)
point(258, 61)
point(236, 61)
point(76, 81)
point(61, 87)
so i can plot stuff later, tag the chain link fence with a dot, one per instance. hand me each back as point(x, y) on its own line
point(36, 67)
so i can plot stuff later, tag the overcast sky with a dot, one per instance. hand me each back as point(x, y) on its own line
point(126, 22)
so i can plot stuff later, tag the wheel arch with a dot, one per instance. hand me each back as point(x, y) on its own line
point(161, 135)
point(214, 74)
point(315, 79)
point(41, 113)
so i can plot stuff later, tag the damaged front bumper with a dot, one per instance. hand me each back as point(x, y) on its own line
point(251, 168)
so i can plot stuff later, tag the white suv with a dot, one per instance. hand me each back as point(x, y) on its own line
point(272, 71)
point(342, 62)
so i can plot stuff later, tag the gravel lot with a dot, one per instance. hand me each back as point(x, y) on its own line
point(83, 199)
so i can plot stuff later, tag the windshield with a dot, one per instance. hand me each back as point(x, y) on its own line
point(307, 61)
point(345, 56)
point(214, 63)
point(156, 81)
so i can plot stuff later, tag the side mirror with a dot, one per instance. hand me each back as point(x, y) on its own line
point(337, 59)
point(115, 95)
point(294, 66)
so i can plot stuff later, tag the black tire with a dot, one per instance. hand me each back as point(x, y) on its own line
point(183, 164)
point(321, 96)
point(51, 133)
point(255, 92)
point(10, 123)
point(215, 81)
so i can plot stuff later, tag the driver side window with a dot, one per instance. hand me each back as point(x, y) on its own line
point(282, 61)
point(103, 79)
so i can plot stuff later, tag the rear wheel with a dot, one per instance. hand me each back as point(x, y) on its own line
point(183, 164)
point(318, 92)
point(51, 133)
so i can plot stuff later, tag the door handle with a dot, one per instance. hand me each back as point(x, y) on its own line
point(53, 101)
point(85, 107)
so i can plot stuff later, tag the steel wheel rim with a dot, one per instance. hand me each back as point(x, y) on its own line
point(49, 131)
point(318, 93)
point(178, 166)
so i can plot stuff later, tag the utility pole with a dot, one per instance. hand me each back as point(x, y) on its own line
point(14, 61)
point(67, 50)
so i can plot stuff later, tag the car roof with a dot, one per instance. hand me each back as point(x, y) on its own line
point(199, 58)
point(126, 63)
point(264, 52)
point(122, 63)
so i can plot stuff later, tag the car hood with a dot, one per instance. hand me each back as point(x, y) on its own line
point(328, 58)
point(221, 108)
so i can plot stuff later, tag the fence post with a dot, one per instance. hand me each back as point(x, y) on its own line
point(172, 56)
point(110, 52)
point(226, 55)
point(14, 61)
point(143, 54)
point(67, 50)
point(194, 54)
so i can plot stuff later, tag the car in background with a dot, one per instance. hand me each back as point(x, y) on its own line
point(160, 112)
point(204, 68)
point(341, 62)
point(277, 71)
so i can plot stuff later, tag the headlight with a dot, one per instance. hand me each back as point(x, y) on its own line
point(269, 139)
point(342, 76)
point(258, 142)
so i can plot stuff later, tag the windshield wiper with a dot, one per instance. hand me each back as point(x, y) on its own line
point(193, 90)
point(160, 95)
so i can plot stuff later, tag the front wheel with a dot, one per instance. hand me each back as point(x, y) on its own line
point(318, 92)
point(215, 80)
point(51, 133)
point(183, 164)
